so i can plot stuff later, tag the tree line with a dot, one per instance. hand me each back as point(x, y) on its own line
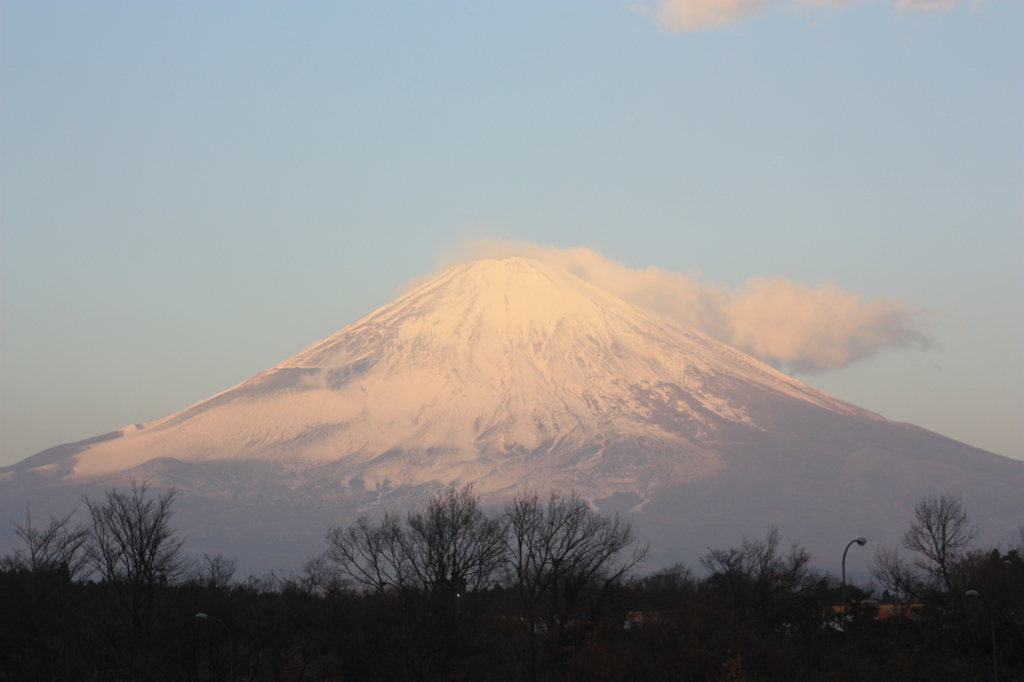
point(543, 589)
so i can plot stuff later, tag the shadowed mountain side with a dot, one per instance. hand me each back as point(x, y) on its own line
point(826, 496)
point(844, 480)
point(57, 459)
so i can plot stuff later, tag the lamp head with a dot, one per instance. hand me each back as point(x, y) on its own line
point(861, 541)
point(971, 593)
point(201, 616)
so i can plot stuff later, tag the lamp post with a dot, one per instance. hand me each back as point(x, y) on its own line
point(861, 542)
point(231, 646)
point(992, 622)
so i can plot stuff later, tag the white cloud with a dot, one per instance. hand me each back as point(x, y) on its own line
point(699, 15)
point(784, 323)
point(926, 5)
point(788, 323)
point(705, 15)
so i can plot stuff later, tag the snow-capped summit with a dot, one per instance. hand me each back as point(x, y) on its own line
point(498, 373)
point(514, 373)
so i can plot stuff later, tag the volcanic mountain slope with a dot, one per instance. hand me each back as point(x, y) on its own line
point(514, 373)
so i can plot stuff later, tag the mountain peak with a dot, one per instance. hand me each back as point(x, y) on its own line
point(480, 302)
point(510, 368)
point(514, 373)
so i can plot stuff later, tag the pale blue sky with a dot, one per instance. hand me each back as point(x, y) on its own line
point(192, 192)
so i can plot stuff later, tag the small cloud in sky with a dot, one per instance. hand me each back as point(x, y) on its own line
point(706, 15)
point(781, 322)
point(912, 5)
point(700, 15)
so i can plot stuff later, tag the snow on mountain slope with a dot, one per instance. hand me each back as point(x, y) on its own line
point(498, 372)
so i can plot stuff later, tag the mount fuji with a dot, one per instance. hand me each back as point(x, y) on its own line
point(514, 373)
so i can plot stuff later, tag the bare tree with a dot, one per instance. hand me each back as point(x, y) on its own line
point(52, 558)
point(320, 576)
point(758, 564)
point(55, 547)
point(561, 553)
point(435, 561)
point(676, 578)
point(371, 554)
point(215, 572)
point(132, 541)
point(454, 546)
point(136, 551)
point(941, 532)
point(763, 582)
point(450, 547)
point(894, 574)
point(668, 588)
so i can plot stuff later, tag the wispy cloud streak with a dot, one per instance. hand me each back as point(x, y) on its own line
point(702, 15)
point(707, 15)
point(784, 323)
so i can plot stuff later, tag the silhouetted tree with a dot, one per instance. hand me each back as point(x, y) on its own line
point(894, 574)
point(764, 584)
point(759, 613)
point(137, 552)
point(371, 554)
point(215, 572)
point(564, 561)
point(57, 545)
point(449, 548)
point(434, 563)
point(760, 564)
point(667, 588)
point(40, 617)
point(941, 532)
point(453, 547)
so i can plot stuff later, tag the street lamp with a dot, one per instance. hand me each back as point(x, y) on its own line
point(992, 621)
point(861, 542)
point(231, 646)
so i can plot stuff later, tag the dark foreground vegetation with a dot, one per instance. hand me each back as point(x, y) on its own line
point(546, 591)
